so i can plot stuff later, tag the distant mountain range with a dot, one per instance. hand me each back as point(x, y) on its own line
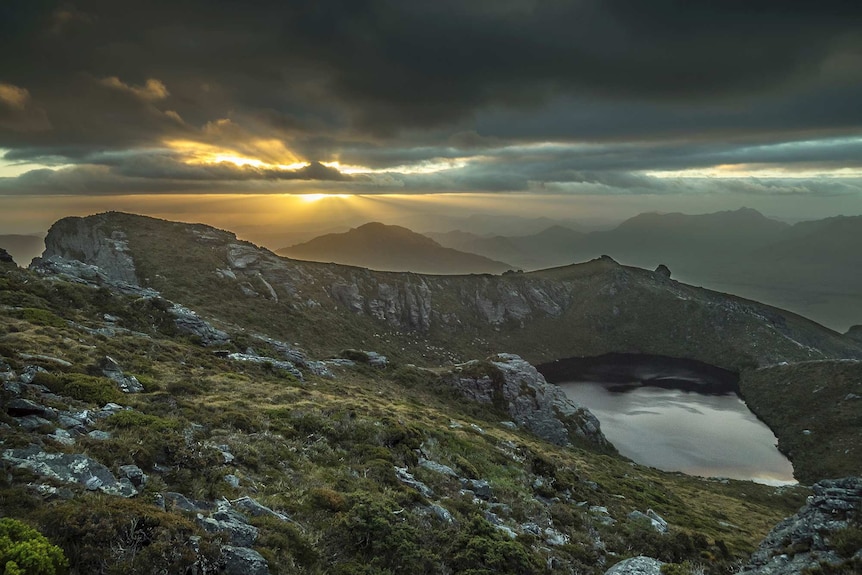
point(813, 268)
point(391, 248)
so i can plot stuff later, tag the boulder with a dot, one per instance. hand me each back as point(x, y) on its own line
point(277, 363)
point(243, 561)
point(189, 323)
point(663, 271)
point(636, 566)
point(255, 509)
point(805, 540)
point(22, 407)
point(513, 385)
point(127, 383)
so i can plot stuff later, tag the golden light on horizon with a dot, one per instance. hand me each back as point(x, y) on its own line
point(199, 153)
point(310, 198)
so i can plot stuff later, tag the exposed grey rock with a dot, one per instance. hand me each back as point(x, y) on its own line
point(189, 322)
point(99, 435)
point(48, 358)
point(92, 241)
point(232, 480)
point(277, 363)
point(29, 374)
point(437, 467)
point(112, 370)
point(231, 523)
point(804, 540)
point(255, 509)
point(62, 436)
point(518, 388)
point(657, 523)
point(134, 474)
point(70, 468)
point(243, 561)
point(636, 566)
point(480, 487)
point(20, 407)
point(32, 422)
point(663, 271)
point(441, 513)
point(554, 537)
point(407, 478)
point(180, 501)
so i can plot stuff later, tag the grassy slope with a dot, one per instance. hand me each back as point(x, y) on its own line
point(323, 451)
point(611, 308)
point(812, 397)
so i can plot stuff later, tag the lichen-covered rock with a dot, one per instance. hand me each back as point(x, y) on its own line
point(636, 566)
point(512, 384)
point(70, 468)
point(190, 323)
point(243, 561)
point(112, 370)
point(807, 539)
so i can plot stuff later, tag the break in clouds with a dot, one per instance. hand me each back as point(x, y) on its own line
point(615, 96)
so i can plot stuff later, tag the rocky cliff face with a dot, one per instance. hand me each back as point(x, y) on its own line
point(98, 245)
point(826, 532)
point(587, 309)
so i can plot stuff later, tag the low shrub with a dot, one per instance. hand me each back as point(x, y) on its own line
point(25, 551)
point(89, 388)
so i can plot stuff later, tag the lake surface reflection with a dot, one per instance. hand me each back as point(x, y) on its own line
point(676, 430)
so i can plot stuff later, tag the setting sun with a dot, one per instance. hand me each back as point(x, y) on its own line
point(317, 197)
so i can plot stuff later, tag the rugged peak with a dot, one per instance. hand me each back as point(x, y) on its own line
point(96, 240)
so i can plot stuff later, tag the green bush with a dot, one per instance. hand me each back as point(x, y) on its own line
point(481, 549)
point(40, 317)
point(113, 536)
point(89, 388)
point(128, 419)
point(328, 499)
point(847, 541)
point(25, 551)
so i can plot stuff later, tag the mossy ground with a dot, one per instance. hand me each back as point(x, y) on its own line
point(324, 451)
point(815, 410)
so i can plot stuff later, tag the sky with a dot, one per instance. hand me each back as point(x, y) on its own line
point(316, 114)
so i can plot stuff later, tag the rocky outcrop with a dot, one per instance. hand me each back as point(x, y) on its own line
point(663, 271)
point(70, 468)
point(101, 245)
point(516, 387)
point(814, 535)
point(112, 370)
point(636, 566)
point(855, 333)
point(190, 323)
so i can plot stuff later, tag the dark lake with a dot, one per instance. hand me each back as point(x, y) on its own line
point(675, 415)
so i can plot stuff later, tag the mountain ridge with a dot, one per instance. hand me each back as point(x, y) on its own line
point(375, 245)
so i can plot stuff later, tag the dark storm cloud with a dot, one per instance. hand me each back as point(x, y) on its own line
point(664, 84)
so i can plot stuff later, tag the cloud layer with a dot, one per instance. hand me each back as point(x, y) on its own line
point(588, 96)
